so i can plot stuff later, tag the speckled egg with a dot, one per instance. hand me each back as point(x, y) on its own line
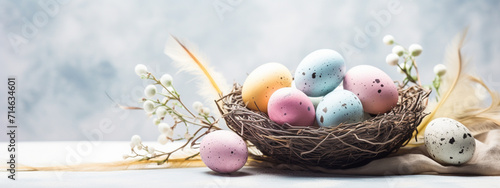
point(315, 100)
point(340, 106)
point(262, 82)
point(320, 72)
point(449, 141)
point(223, 151)
point(290, 105)
point(375, 88)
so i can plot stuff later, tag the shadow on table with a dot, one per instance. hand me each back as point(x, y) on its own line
point(312, 174)
point(234, 174)
point(293, 173)
point(253, 171)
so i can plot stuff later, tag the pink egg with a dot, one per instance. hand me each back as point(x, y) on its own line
point(223, 151)
point(290, 105)
point(375, 89)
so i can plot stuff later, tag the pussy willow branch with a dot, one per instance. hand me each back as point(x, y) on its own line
point(184, 117)
point(416, 70)
point(177, 97)
point(409, 77)
point(190, 140)
point(204, 123)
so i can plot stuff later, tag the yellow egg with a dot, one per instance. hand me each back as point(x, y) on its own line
point(262, 82)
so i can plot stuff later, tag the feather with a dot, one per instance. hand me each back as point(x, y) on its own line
point(121, 165)
point(121, 106)
point(132, 164)
point(464, 96)
point(454, 63)
point(468, 106)
point(186, 58)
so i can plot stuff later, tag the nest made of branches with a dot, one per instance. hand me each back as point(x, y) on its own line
point(343, 146)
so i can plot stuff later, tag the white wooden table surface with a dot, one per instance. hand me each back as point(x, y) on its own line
point(50, 153)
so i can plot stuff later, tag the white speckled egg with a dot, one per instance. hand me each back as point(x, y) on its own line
point(449, 141)
point(262, 82)
point(374, 87)
point(320, 72)
point(340, 106)
point(223, 151)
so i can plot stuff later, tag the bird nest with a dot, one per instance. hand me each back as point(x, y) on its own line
point(343, 146)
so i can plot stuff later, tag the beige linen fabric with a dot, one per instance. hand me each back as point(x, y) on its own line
point(486, 161)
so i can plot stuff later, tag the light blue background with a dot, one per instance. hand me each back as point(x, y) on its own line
point(84, 49)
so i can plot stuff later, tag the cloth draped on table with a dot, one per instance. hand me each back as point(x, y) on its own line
point(416, 160)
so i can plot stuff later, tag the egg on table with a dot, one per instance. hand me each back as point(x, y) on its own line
point(449, 141)
point(320, 72)
point(374, 88)
point(339, 106)
point(223, 151)
point(262, 82)
point(290, 105)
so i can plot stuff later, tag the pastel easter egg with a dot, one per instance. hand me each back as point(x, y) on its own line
point(374, 88)
point(290, 105)
point(223, 151)
point(320, 72)
point(262, 82)
point(449, 141)
point(339, 106)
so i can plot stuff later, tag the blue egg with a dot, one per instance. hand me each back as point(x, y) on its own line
point(339, 106)
point(320, 72)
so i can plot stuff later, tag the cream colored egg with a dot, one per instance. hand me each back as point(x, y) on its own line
point(262, 82)
point(449, 141)
point(316, 100)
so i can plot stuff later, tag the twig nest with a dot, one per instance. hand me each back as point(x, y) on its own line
point(344, 146)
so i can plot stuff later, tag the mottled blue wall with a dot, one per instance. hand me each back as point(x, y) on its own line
point(66, 56)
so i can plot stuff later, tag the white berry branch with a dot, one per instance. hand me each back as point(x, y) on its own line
point(172, 105)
